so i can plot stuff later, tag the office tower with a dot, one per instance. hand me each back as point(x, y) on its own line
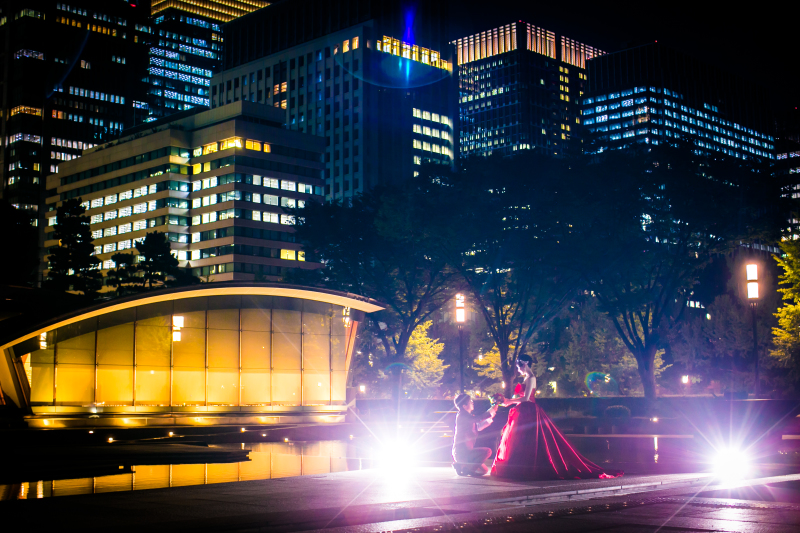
point(215, 182)
point(653, 94)
point(373, 78)
point(519, 88)
point(71, 79)
point(186, 38)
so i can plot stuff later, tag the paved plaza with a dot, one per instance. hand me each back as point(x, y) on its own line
point(428, 499)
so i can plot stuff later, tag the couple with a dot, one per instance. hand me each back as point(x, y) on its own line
point(531, 446)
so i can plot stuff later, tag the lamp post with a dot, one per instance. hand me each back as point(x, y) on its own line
point(752, 297)
point(461, 317)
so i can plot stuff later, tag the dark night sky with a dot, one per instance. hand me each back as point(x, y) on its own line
point(758, 44)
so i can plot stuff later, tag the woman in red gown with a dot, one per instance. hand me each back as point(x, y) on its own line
point(532, 447)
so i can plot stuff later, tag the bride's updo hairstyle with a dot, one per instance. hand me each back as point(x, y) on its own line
point(525, 358)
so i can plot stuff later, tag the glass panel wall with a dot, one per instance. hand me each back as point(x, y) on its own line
point(219, 351)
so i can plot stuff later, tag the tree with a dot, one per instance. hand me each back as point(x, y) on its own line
point(18, 238)
point(158, 262)
point(650, 222)
point(73, 265)
point(581, 351)
point(786, 335)
point(426, 368)
point(383, 245)
point(509, 244)
point(123, 277)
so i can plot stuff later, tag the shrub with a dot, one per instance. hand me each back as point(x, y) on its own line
point(617, 411)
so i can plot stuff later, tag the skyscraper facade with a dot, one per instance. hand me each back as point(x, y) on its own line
point(71, 78)
point(519, 88)
point(653, 94)
point(186, 49)
point(217, 182)
point(374, 79)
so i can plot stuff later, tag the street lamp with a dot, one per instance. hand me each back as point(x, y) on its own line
point(752, 297)
point(461, 317)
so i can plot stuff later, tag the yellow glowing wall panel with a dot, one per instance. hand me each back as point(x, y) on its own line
point(190, 351)
point(255, 387)
point(223, 319)
point(42, 382)
point(115, 384)
point(223, 386)
point(71, 487)
point(188, 387)
point(115, 345)
point(316, 465)
point(113, 483)
point(152, 345)
point(338, 386)
point(192, 319)
point(286, 351)
point(43, 356)
point(223, 472)
point(285, 320)
point(339, 464)
point(223, 348)
point(316, 324)
point(256, 320)
point(255, 349)
point(316, 387)
point(258, 467)
point(77, 350)
point(338, 352)
point(286, 387)
point(152, 385)
point(75, 384)
point(158, 314)
point(316, 352)
point(286, 465)
point(151, 477)
point(337, 324)
point(183, 475)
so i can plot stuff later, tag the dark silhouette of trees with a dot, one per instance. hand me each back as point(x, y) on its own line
point(381, 246)
point(72, 263)
point(20, 238)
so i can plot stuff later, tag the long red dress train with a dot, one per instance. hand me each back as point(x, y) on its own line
point(532, 447)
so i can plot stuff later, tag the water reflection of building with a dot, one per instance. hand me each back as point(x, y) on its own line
point(268, 460)
point(233, 353)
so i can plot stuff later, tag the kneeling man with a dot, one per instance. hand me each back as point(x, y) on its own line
point(468, 460)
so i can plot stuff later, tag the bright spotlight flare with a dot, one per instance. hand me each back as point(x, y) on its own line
point(730, 464)
point(396, 456)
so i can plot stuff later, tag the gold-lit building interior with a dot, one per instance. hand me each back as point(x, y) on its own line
point(232, 349)
point(221, 10)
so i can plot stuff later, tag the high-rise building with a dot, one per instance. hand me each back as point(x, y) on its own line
point(216, 182)
point(71, 79)
point(653, 94)
point(519, 88)
point(185, 52)
point(373, 78)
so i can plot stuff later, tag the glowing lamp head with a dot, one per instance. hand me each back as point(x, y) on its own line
point(177, 321)
point(362, 388)
point(752, 272)
point(731, 463)
point(176, 336)
point(685, 380)
point(461, 311)
point(752, 290)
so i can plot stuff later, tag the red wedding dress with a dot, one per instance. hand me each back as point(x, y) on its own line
point(532, 448)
